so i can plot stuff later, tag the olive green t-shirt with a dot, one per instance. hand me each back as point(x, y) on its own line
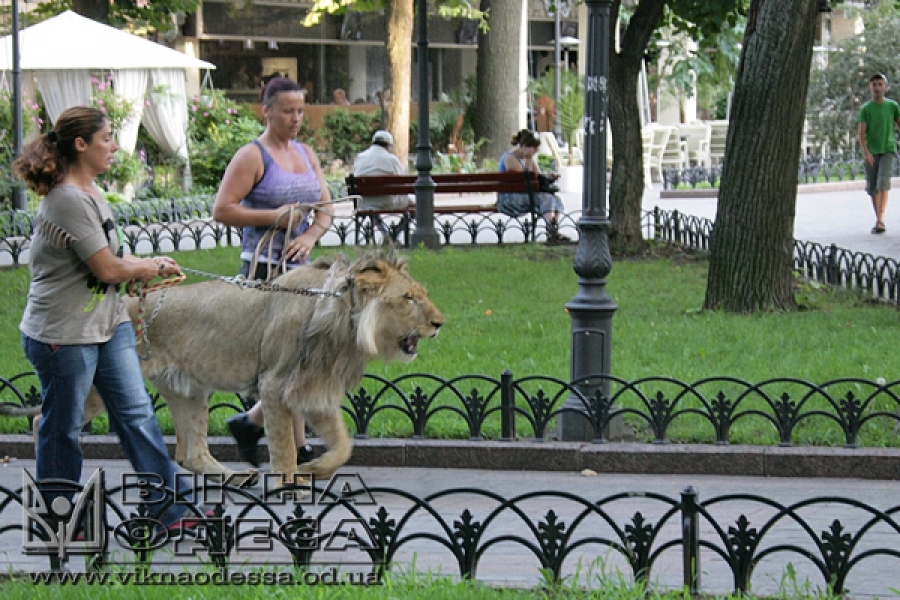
point(67, 304)
point(879, 119)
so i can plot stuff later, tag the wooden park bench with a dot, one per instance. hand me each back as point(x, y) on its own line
point(445, 183)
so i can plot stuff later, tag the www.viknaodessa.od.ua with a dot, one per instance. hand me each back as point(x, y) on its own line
point(331, 576)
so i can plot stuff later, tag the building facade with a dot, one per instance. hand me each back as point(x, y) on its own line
point(267, 37)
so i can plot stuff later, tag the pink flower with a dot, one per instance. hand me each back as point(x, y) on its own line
point(228, 121)
point(205, 114)
point(95, 80)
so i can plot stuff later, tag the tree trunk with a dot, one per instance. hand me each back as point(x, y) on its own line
point(626, 189)
point(498, 85)
point(97, 10)
point(752, 245)
point(398, 44)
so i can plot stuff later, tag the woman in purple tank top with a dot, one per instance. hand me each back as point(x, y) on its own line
point(261, 180)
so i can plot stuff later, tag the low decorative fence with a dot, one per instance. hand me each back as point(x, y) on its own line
point(737, 540)
point(878, 276)
point(185, 224)
point(812, 169)
point(720, 410)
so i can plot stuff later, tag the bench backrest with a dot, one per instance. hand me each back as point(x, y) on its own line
point(446, 183)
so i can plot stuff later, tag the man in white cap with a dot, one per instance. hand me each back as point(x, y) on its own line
point(378, 160)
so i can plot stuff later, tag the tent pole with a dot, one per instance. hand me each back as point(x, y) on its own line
point(19, 198)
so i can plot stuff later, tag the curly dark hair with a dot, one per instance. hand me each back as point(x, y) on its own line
point(45, 160)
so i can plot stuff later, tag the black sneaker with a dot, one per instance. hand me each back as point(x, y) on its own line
point(247, 435)
point(305, 454)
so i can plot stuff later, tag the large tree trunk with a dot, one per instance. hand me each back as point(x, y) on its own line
point(626, 189)
point(97, 10)
point(752, 244)
point(498, 85)
point(398, 44)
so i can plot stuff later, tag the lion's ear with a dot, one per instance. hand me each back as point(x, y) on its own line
point(371, 280)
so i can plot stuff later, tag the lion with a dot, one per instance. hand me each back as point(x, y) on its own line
point(294, 352)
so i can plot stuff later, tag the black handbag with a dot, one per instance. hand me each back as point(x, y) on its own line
point(545, 184)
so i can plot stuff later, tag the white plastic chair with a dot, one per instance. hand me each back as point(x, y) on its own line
point(717, 136)
point(550, 147)
point(653, 151)
point(696, 137)
point(675, 152)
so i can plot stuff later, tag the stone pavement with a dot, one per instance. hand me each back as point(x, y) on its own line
point(836, 213)
point(512, 564)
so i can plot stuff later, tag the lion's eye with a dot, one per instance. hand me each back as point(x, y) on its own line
point(410, 298)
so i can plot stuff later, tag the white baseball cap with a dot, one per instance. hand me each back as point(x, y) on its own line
point(384, 137)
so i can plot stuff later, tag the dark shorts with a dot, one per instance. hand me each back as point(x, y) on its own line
point(262, 270)
point(878, 175)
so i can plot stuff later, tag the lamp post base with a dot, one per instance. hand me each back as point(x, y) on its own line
point(429, 239)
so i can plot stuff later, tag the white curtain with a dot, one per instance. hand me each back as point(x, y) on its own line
point(166, 117)
point(64, 89)
point(131, 85)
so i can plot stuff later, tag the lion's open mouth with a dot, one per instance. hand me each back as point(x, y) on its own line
point(410, 343)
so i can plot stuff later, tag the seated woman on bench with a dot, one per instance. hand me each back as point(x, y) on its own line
point(521, 158)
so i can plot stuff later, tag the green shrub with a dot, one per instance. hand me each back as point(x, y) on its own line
point(348, 133)
point(217, 128)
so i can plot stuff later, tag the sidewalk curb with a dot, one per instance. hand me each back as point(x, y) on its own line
point(621, 458)
point(805, 188)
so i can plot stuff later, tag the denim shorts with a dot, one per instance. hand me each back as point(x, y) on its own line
point(878, 175)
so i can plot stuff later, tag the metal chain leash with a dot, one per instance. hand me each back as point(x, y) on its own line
point(245, 283)
point(141, 290)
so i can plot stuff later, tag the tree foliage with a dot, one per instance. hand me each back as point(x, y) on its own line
point(156, 15)
point(637, 23)
point(837, 91)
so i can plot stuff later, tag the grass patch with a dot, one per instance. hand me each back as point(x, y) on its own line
point(505, 309)
point(409, 585)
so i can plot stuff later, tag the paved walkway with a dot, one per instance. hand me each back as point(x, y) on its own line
point(839, 213)
point(512, 564)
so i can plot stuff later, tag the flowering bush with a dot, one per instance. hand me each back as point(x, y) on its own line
point(118, 110)
point(217, 128)
point(126, 168)
point(31, 121)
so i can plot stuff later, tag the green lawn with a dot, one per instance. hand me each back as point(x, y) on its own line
point(406, 586)
point(505, 309)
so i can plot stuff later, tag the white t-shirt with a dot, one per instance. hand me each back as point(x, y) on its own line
point(378, 161)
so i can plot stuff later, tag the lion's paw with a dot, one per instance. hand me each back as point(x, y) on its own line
point(315, 468)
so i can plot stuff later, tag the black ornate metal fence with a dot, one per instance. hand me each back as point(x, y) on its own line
point(813, 168)
point(637, 534)
point(720, 410)
point(185, 224)
point(878, 276)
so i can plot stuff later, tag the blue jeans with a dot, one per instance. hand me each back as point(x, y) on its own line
point(66, 374)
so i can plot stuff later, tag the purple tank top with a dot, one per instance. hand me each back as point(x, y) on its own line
point(276, 188)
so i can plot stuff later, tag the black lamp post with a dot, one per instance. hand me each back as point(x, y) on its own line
point(19, 198)
point(592, 308)
point(425, 232)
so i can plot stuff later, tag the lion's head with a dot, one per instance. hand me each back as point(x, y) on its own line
point(397, 311)
point(390, 311)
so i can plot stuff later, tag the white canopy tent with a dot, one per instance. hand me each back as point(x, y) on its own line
point(59, 55)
